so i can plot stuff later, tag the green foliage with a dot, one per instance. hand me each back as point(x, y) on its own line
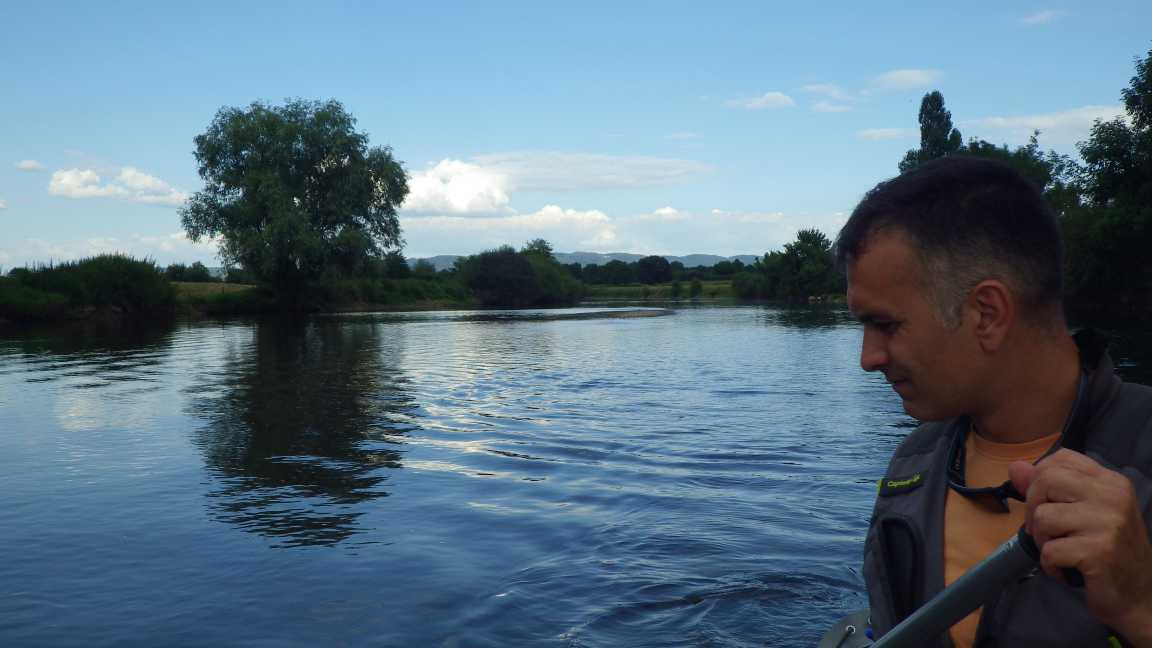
point(618, 272)
point(695, 288)
point(396, 266)
point(1138, 95)
point(502, 277)
point(804, 270)
point(197, 272)
point(389, 292)
point(538, 247)
point(937, 136)
point(1108, 236)
point(133, 286)
point(19, 302)
point(424, 269)
point(653, 270)
point(505, 278)
point(236, 275)
point(294, 191)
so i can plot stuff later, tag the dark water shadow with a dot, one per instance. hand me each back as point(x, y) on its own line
point(815, 316)
point(298, 426)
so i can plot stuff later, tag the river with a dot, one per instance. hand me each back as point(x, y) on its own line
point(448, 479)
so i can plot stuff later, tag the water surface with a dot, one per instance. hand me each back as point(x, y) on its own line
point(442, 479)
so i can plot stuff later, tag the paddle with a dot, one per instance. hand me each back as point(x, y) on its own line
point(1007, 563)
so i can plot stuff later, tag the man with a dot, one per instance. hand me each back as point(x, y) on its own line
point(954, 269)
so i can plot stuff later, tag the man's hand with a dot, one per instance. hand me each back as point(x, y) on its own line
point(1085, 516)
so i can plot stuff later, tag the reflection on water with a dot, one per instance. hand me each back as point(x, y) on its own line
point(444, 479)
point(289, 419)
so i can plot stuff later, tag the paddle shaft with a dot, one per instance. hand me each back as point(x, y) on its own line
point(1008, 562)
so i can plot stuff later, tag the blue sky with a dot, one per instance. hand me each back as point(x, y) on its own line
point(667, 128)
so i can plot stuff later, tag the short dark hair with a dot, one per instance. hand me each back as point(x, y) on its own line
point(970, 219)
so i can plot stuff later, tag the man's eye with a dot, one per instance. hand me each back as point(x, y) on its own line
point(885, 326)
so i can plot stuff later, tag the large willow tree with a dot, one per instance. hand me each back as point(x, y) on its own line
point(293, 192)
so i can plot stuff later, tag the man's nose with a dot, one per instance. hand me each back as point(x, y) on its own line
point(873, 352)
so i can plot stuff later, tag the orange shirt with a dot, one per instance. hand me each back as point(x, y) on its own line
point(971, 532)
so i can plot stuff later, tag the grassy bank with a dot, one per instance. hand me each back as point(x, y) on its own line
point(720, 289)
point(218, 299)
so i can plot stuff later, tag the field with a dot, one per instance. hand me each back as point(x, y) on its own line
point(188, 291)
point(720, 289)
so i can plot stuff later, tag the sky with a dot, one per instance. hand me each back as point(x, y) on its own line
point(651, 128)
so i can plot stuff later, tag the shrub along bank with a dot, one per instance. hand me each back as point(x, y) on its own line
point(111, 285)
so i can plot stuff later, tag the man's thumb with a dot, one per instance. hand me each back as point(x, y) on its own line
point(1021, 473)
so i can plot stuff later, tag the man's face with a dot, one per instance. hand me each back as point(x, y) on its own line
point(934, 368)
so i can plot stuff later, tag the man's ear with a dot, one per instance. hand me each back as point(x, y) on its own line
point(993, 307)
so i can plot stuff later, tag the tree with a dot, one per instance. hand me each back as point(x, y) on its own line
point(695, 288)
point(502, 277)
point(616, 272)
point(294, 191)
point(1138, 95)
point(197, 272)
point(653, 270)
point(805, 268)
point(396, 266)
point(539, 247)
point(506, 278)
point(810, 266)
point(576, 270)
point(937, 136)
point(424, 269)
point(1108, 237)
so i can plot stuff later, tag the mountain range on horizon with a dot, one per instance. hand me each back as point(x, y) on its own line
point(446, 261)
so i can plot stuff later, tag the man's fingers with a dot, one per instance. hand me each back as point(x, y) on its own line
point(1053, 485)
point(1070, 460)
point(1072, 551)
point(1056, 520)
point(1021, 473)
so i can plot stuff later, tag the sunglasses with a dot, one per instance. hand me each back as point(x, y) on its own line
point(991, 498)
point(995, 498)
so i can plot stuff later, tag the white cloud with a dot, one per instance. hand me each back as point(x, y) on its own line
point(80, 183)
point(1044, 17)
point(3, 205)
point(829, 107)
point(567, 229)
point(908, 78)
point(830, 90)
point(554, 171)
point(130, 184)
point(767, 100)
point(663, 215)
point(456, 187)
point(886, 133)
point(1065, 127)
point(29, 165)
point(682, 135)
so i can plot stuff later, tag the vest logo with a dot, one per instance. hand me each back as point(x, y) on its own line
point(900, 485)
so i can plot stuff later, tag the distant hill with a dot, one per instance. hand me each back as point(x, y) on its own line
point(445, 261)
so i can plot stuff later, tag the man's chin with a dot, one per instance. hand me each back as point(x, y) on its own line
point(923, 413)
